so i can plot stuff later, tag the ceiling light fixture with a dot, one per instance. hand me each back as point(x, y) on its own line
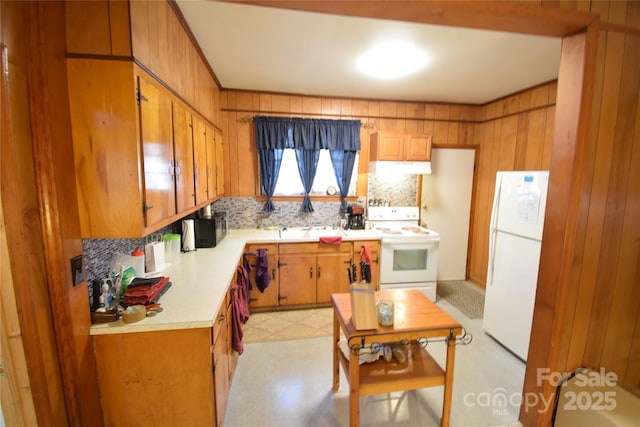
point(392, 60)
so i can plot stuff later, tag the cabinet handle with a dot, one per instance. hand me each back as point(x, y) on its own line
point(146, 207)
point(376, 260)
point(273, 273)
point(310, 272)
point(318, 272)
point(178, 169)
point(221, 319)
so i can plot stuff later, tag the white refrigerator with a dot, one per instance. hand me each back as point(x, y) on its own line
point(515, 237)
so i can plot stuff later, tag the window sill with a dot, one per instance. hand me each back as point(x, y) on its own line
point(314, 198)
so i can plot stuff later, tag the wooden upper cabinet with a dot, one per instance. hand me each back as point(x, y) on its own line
point(219, 164)
point(183, 150)
point(102, 102)
point(215, 166)
point(156, 133)
point(418, 147)
point(200, 160)
point(386, 146)
point(98, 27)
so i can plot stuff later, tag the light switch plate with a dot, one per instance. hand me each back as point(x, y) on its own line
point(77, 270)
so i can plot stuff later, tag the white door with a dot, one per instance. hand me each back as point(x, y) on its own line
point(446, 207)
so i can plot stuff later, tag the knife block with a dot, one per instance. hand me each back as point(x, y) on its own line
point(363, 306)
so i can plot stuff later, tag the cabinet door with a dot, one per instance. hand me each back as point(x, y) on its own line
point(212, 191)
point(391, 147)
point(332, 276)
point(157, 148)
point(219, 164)
point(200, 160)
point(268, 298)
point(418, 147)
point(297, 279)
point(183, 151)
point(232, 355)
point(173, 370)
point(221, 372)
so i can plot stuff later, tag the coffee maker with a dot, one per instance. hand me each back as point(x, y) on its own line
point(356, 217)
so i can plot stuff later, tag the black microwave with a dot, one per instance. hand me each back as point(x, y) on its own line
point(209, 232)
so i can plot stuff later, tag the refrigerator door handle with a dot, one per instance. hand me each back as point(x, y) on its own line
point(493, 229)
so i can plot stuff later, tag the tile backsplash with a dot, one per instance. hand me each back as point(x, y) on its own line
point(247, 212)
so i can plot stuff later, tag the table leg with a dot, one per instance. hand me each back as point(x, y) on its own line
point(354, 389)
point(448, 382)
point(336, 362)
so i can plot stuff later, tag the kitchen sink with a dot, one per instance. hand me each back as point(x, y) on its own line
point(311, 233)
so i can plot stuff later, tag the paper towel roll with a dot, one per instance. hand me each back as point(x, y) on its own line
point(188, 235)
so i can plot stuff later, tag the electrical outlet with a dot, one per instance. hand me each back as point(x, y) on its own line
point(77, 270)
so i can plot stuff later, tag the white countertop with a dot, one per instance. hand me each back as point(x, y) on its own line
point(201, 279)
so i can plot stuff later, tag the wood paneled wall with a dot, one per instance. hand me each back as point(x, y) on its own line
point(50, 325)
point(449, 124)
point(603, 303)
point(513, 133)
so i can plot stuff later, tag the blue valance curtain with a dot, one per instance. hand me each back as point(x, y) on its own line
point(307, 137)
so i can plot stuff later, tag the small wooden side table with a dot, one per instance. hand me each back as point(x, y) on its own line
point(415, 317)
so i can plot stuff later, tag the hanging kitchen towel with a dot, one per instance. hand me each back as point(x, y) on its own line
point(262, 270)
point(247, 265)
point(240, 310)
point(365, 255)
point(236, 320)
point(242, 282)
point(331, 240)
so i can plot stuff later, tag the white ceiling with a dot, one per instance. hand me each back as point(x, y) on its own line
point(277, 50)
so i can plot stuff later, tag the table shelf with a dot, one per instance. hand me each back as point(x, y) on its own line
point(419, 371)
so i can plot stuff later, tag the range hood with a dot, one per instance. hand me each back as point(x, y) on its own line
point(400, 167)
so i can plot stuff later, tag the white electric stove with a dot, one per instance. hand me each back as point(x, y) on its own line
point(409, 252)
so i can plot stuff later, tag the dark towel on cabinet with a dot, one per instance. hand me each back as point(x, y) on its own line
point(262, 271)
point(240, 309)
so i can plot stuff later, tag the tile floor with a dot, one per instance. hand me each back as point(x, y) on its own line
point(289, 383)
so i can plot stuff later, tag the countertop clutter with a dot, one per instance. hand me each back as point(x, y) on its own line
point(201, 278)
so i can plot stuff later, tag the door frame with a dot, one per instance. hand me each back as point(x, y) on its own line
point(552, 319)
point(474, 182)
point(574, 102)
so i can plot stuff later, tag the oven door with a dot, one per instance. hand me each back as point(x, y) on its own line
point(408, 262)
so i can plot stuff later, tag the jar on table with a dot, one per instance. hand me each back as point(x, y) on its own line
point(385, 312)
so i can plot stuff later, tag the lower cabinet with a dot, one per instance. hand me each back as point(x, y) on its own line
point(159, 378)
point(168, 378)
point(308, 273)
point(311, 272)
point(224, 360)
point(268, 298)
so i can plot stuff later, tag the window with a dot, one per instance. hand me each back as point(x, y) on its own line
point(290, 184)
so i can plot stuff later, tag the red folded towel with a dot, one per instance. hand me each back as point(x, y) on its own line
point(331, 240)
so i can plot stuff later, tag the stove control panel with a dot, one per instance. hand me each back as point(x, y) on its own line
point(395, 213)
